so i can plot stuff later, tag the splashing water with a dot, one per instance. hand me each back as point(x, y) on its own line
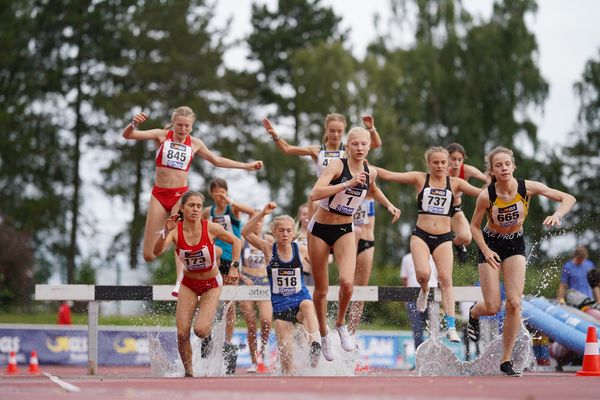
point(433, 358)
point(164, 356)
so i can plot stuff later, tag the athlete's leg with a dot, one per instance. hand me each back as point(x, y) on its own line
point(155, 221)
point(364, 265)
point(247, 308)
point(461, 229)
point(489, 279)
point(344, 250)
point(186, 306)
point(206, 312)
point(319, 254)
point(265, 314)
point(513, 269)
point(420, 254)
point(284, 331)
point(443, 258)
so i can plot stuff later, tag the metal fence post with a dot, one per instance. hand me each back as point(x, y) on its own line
point(93, 311)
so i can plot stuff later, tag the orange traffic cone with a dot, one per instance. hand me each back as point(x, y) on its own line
point(591, 357)
point(12, 364)
point(34, 365)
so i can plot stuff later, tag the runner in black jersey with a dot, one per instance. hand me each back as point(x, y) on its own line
point(432, 235)
point(341, 189)
point(505, 203)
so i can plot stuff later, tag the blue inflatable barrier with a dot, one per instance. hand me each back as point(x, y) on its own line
point(571, 338)
point(568, 318)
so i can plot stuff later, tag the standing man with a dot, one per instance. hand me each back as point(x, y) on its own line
point(574, 274)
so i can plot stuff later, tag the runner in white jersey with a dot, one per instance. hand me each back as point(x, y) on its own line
point(364, 220)
point(432, 235)
point(176, 147)
point(340, 190)
point(302, 219)
point(332, 147)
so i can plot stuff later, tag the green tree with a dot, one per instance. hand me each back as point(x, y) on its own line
point(584, 159)
point(169, 56)
point(298, 46)
point(460, 81)
point(78, 45)
point(34, 160)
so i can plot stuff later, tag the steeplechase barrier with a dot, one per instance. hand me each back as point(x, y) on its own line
point(94, 294)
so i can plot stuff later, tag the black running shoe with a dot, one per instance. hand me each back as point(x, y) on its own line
point(473, 327)
point(315, 353)
point(206, 346)
point(507, 368)
point(230, 358)
point(461, 254)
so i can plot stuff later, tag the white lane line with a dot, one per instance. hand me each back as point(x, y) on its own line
point(65, 385)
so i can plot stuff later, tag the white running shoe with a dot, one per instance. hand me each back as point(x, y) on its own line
point(175, 291)
point(453, 336)
point(345, 339)
point(421, 302)
point(326, 348)
point(251, 369)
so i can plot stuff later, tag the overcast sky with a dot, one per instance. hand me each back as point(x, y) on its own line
point(568, 34)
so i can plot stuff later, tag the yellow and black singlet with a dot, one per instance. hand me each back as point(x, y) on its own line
point(505, 216)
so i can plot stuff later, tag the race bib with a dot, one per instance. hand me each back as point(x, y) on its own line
point(508, 216)
point(436, 201)
point(286, 281)
point(196, 261)
point(254, 258)
point(361, 215)
point(176, 155)
point(224, 221)
point(347, 201)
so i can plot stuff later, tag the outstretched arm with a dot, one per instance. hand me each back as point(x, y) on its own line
point(248, 231)
point(369, 123)
point(217, 231)
point(166, 236)
point(465, 187)
point(224, 162)
point(491, 257)
point(380, 197)
point(324, 189)
point(287, 148)
point(566, 200)
point(472, 172)
point(412, 177)
point(131, 131)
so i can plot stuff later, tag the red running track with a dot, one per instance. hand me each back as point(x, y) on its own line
point(137, 383)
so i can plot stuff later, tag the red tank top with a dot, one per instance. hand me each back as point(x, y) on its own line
point(175, 155)
point(461, 174)
point(199, 257)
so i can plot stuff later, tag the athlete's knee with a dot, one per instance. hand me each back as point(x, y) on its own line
point(445, 282)
point(319, 294)
point(513, 306)
point(423, 278)
point(202, 331)
point(463, 238)
point(492, 307)
point(149, 255)
point(346, 285)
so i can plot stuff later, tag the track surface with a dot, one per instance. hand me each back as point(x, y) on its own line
point(137, 383)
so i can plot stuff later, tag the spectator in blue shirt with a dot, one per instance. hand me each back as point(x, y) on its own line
point(574, 274)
